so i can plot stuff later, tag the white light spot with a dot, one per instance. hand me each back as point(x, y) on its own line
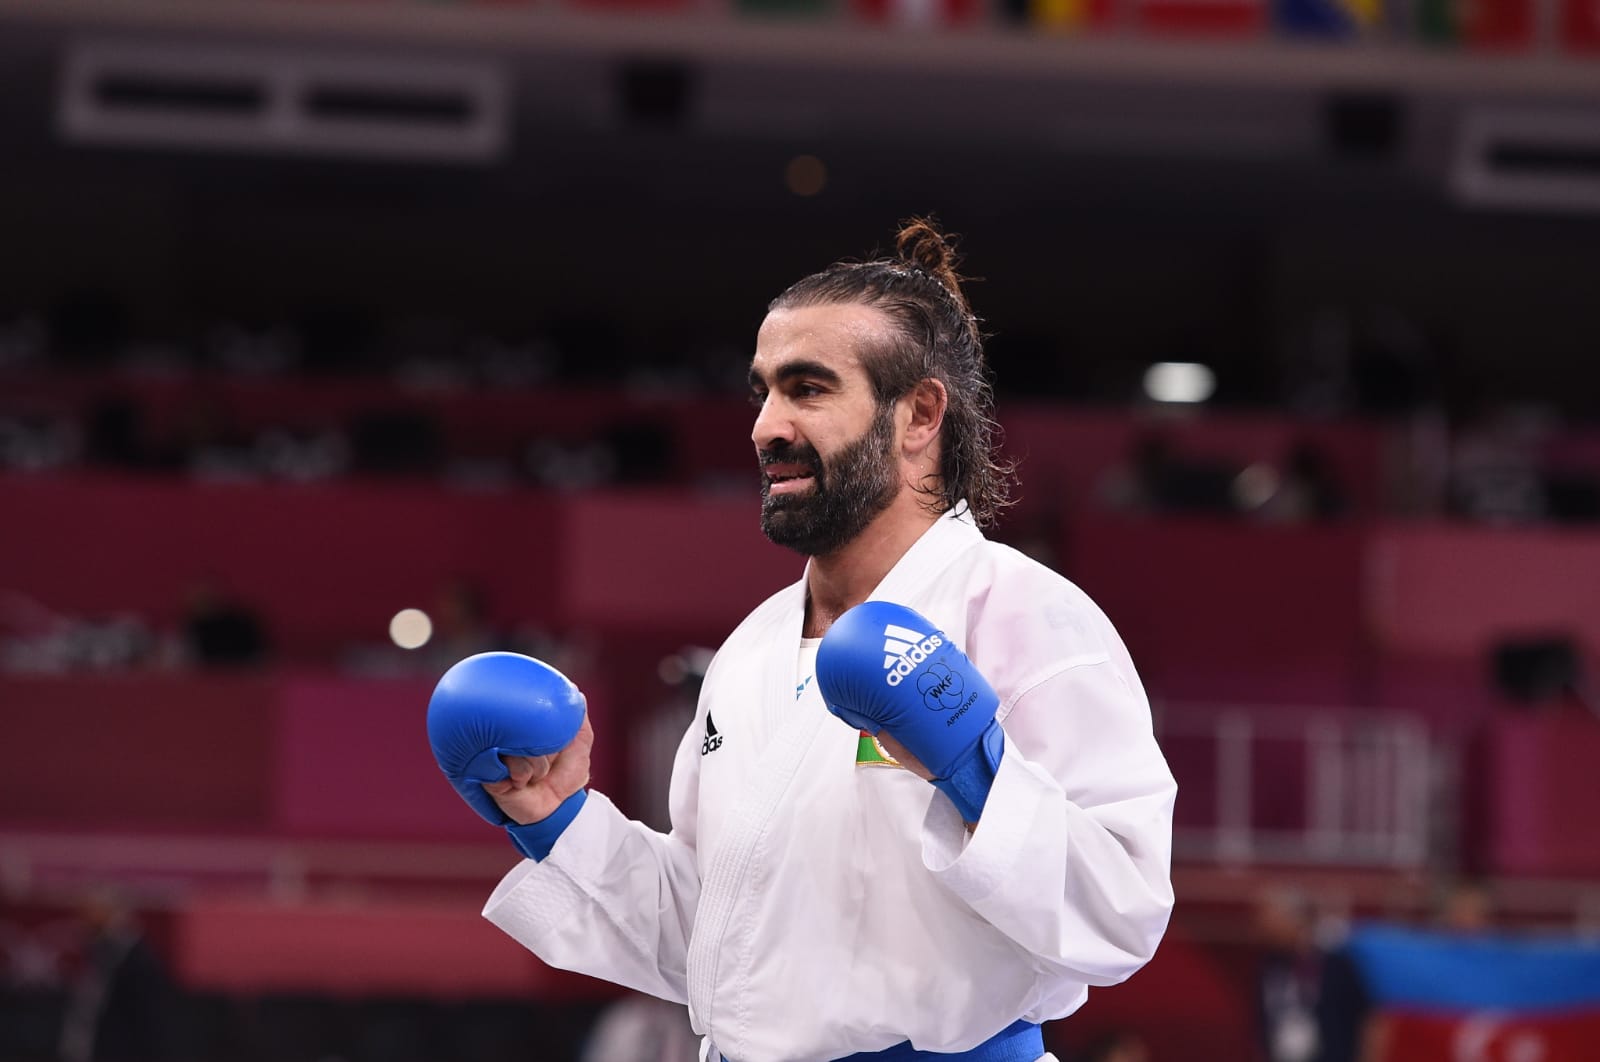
point(1255, 486)
point(672, 669)
point(1179, 381)
point(411, 628)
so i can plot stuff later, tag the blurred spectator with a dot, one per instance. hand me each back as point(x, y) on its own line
point(22, 341)
point(641, 1028)
point(571, 466)
point(116, 434)
point(395, 442)
point(337, 337)
point(1155, 479)
point(123, 1005)
point(88, 327)
point(644, 452)
point(505, 363)
point(1540, 671)
point(462, 626)
point(1136, 485)
point(37, 442)
point(1572, 497)
point(210, 445)
point(36, 640)
point(1307, 492)
point(1495, 473)
point(35, 950)
point(245, 351)
point(1464, 905)
point(1119, 1046)
point(1392, 363)
point(1346, 1031)
point(301, 456)
point(1340, 361)
point(654, 738)
point(220, 631)
point(1290, 978)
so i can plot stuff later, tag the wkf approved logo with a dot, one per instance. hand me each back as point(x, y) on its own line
point(940, 688)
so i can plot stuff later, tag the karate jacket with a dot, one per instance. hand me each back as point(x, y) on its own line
point(807, 906)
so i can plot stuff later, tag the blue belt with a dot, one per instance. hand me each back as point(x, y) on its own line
point(1021, 1041)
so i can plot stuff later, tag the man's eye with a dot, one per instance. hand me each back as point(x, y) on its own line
point(807, 390)
point(758, 399)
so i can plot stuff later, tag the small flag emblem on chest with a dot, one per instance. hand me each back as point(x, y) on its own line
point(871, 754)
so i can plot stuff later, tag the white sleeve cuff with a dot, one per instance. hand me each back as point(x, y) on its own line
point(535, 897)
point(976, 864)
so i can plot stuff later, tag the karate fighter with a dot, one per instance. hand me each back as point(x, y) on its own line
point(920, 809)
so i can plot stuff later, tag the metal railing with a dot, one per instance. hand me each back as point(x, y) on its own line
point(1283, 785)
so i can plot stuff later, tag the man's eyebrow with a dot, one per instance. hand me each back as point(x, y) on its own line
point(789, 370)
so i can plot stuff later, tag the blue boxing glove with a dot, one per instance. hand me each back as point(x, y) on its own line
point(495, 704)
point(883, 666)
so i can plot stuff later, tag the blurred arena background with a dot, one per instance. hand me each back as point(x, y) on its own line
point(339, 340)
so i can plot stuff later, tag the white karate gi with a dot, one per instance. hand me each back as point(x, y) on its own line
point(807, 907)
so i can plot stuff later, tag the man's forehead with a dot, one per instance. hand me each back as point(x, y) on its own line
point(833, 334)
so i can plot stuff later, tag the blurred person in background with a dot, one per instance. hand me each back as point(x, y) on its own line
point(1119, 1046)
point(1496, 465)
point(219, 630)
point(1156, 479)
point(641, 1028)
point(123, 1005)
point(463, 626)
point(1289, 980)
point(1308, 491)
point(654, 738)
point(1464, 905)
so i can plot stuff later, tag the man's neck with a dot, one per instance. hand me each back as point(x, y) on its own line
point(844, 578)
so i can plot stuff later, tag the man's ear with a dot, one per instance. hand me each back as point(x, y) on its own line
point(926, 404)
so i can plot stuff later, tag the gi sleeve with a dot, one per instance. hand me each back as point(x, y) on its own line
point(614, 899)
point(1072, 857)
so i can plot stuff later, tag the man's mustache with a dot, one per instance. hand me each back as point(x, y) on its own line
point(792, 455)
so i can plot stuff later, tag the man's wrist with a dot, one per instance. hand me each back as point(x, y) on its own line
point(969, 779)
point(535, 839)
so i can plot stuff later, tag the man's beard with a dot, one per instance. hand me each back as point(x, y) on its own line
point(857, 484)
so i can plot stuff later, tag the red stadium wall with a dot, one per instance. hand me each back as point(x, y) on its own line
point(328, 565)
point(1340, 615)
point(283, 756)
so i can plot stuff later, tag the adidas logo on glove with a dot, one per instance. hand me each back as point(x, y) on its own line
point(904, 649)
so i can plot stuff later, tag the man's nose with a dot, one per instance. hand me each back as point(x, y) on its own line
point(772, 425)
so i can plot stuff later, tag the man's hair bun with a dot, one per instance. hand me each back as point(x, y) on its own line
point(920, 245)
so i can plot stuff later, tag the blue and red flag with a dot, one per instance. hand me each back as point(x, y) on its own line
point(1328, 18)
point(1481, 998)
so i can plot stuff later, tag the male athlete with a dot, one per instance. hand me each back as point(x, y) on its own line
point(920, 809)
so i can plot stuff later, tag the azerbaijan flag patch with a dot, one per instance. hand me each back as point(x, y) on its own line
point(871, 754)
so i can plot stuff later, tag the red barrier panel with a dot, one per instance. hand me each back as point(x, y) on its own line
point(1453, 694)
point(1449, 591)
point(1537, 791)
point(1222, 611)
point(136, 752)
point(296, 756)
point(324, 565)
point(668, 560)
point(360, 948)
point(352, 760)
